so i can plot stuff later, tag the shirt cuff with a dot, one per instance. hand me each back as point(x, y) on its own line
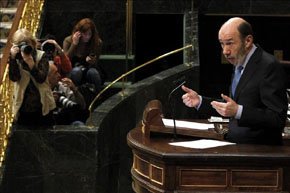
point(200, 101)
point(239, 113)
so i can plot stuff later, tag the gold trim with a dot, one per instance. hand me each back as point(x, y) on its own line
point(136, 157)
point(139, 172)
point(6, 115)
point(162, 173)
point(31, 15)
point(134, 162)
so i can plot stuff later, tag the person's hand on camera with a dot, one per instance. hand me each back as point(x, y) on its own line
point(190, 98)
point(27, 58)
point(76, 37)
point(14, 50)
point(58, 48)
point(55, 95)
point(69, 83)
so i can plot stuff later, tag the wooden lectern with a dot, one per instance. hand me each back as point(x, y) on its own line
point(160, 167)
point(152, 122)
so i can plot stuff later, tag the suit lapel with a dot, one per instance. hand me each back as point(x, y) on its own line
point(249, 71)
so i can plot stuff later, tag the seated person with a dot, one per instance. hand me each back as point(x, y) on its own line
point(69, 100)
point(83, 48)
point(56, 53)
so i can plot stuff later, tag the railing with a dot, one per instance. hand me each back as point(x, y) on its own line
point(27, 16)
point(133, 70)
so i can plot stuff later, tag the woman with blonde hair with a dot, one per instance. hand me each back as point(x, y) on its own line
point(28, 69)
point(83, 48)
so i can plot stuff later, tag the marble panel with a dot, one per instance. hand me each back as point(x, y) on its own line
point(62, 159)
point(264, 7)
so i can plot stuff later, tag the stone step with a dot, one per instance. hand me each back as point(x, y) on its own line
point(2, 46)
point(9, 3)
point(8, 10)
point(6, 21)
point(7, 14)
point(3, 41)
point(116, 57)
point(118, 84)
point(4, 33)
point(5, 25)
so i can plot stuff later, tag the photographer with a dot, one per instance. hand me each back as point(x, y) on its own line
point(83, 47)
point(69, 100)
point(28, 69)
point(57, 55)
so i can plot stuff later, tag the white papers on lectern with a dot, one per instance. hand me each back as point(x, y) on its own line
point(187, 124)
point(202, 143)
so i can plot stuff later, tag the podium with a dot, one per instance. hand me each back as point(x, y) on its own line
point(160, 167)
point(152, 123)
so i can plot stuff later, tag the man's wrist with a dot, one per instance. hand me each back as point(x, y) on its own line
point(200, 101)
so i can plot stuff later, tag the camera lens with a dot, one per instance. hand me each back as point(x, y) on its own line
point(26, 49)
point(66, 102)
point(48, 47)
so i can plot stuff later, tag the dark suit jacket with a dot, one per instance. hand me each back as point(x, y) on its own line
point(262, 92)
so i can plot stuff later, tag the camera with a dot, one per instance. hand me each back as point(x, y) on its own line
point(66, 103)
point(27, 49)
point(48, 47)
point(92, 55)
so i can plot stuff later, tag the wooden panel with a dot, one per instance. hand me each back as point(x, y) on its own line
point(141, 166)
point(255, 178)
point(240, 168)
point(203, 177)
point(157, 174)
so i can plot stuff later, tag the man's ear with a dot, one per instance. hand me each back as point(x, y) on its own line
point(249, 41)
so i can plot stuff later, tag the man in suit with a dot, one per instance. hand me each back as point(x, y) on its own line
point(257, 103)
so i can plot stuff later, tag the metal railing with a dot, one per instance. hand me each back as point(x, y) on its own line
point(133, 70)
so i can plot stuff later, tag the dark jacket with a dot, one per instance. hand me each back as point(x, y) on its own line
point(262, 92)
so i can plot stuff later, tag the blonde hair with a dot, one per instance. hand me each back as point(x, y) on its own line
point(23, 35)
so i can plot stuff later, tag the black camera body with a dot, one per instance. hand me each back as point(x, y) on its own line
point(23, 47)
point(92, 55)
point(49, 48)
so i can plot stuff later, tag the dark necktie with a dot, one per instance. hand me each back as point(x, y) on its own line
point(238, 73)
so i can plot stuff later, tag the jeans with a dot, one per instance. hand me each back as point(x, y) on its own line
point(77, 123)
point(80, 76)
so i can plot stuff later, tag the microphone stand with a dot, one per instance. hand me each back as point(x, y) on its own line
point(173, 108)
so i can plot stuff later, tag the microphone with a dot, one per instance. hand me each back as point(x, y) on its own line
point(173, 107)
